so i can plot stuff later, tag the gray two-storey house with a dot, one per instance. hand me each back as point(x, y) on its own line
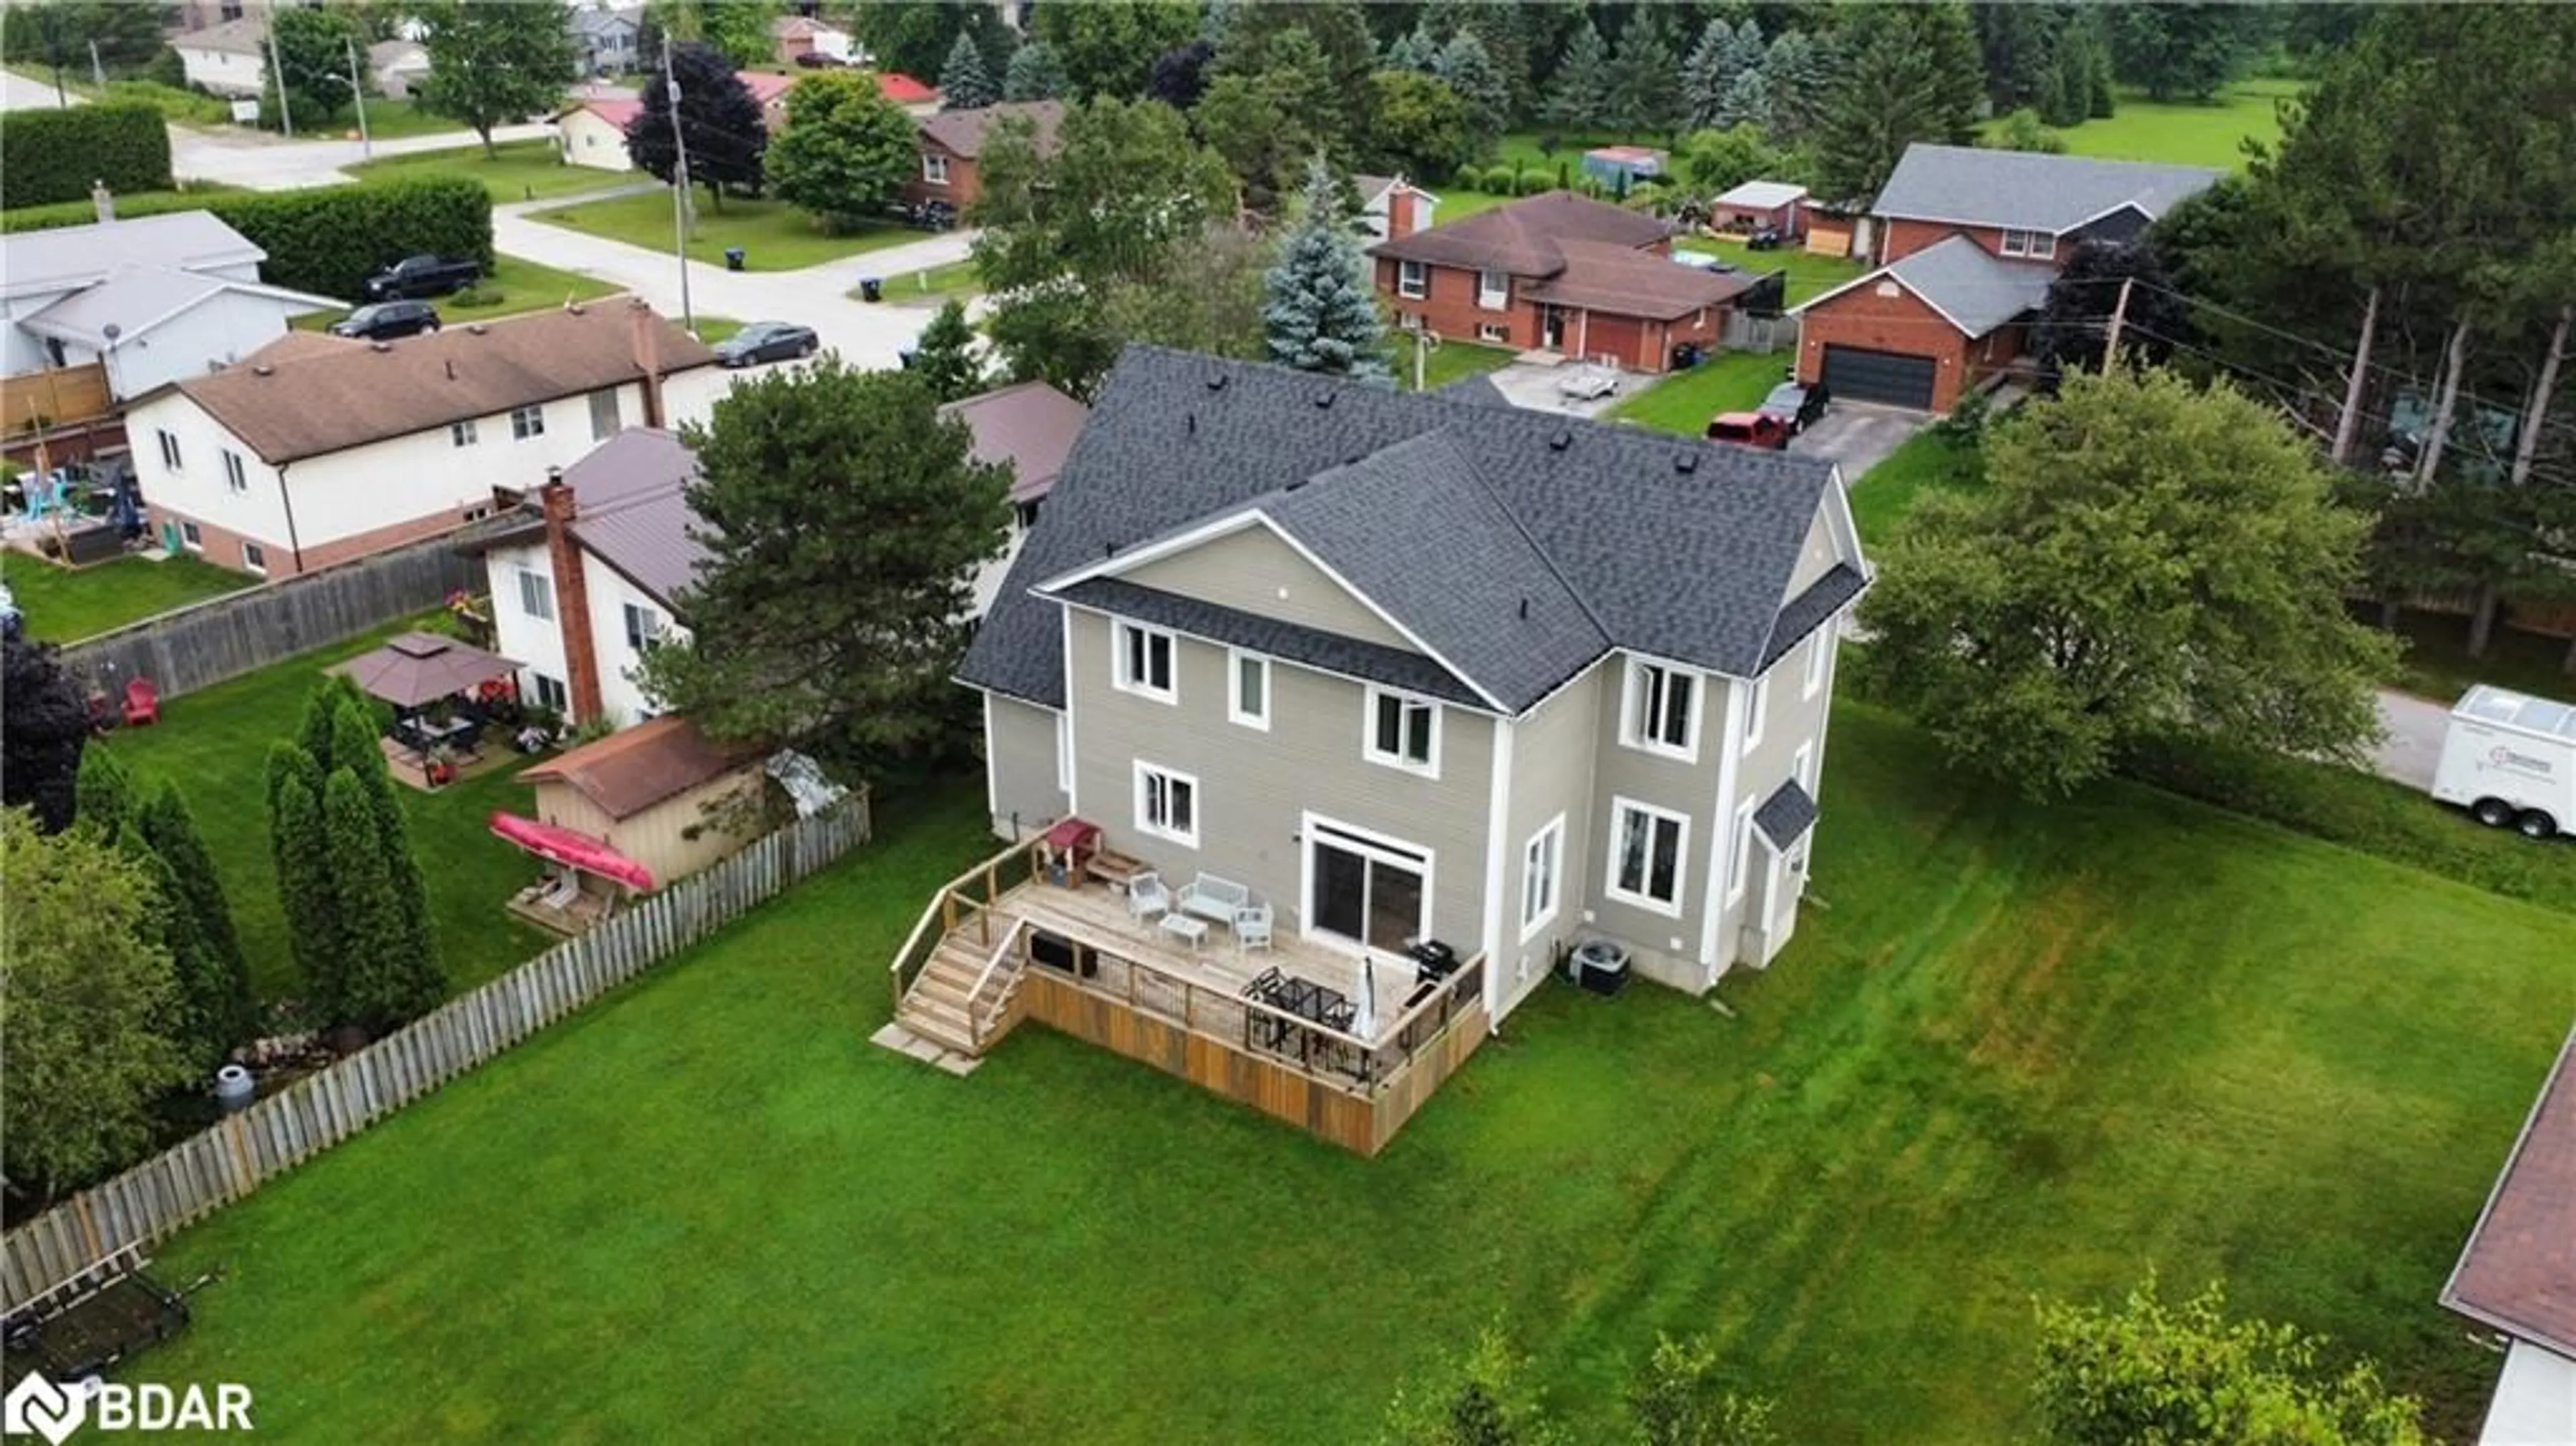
point(1341, 670)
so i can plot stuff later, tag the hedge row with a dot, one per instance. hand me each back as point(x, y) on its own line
point(324, 240)
point(2367, 814)
point(54, 155)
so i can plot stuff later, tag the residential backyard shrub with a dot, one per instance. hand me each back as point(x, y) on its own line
point(54, 155)
point(326, 240)
point(1536, 180)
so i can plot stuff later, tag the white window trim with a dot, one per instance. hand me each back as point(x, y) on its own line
point(1145, 824)
point(1493, 331)
point(1802, 767)
point(1368, 732)
point(1815, 668)
point(254, 558)
point(2015, 243)
point(1492, 298)
point(1620, 807)
point(1548, 843)
point(527, 422)
point(1412, 280)
point(2043, 246)
point(934, 170)
point(463, 434)
point(170, 453)
point(1235, 659)
point(192, 537)
point(1754, 707)
point(1741, 874)
point(236, 475)
point(1118, 675)
point(1632, 721)
point(1314, 828)
point(543, 581)
point(630, 614)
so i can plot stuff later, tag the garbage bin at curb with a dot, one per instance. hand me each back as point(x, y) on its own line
point(872, 288)
point(733, 258)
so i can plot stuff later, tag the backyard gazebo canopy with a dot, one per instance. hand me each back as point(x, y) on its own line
point(417, 668)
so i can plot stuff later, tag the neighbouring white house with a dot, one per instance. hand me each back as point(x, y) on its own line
point(799, 36)
point(317, 450)
point(599, 568)
point(1392, 206)
point(2517, 1275)
point(229, 59)
point(399, 66)
point(606, 39)
point(592, 132)
point(151, 300)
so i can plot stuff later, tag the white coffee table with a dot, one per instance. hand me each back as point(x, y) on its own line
point(1182, 925)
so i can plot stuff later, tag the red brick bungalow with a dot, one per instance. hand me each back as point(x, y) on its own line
point(1968, 241)
point(952, 147)
point(1559, 273)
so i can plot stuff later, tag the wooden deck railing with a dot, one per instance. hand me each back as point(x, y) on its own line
point(990, 999)
point(944, 908)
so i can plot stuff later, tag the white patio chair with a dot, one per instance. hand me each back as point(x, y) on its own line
point(1146, 896)
point(1252, 927)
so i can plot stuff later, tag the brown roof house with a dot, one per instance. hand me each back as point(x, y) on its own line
point(630, 813)
point(952, 147)
point(1557, 273)
point(2518, 1272)
point(602, 567)
point(317, 450)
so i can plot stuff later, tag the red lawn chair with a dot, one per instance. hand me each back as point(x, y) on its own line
point(142, 702)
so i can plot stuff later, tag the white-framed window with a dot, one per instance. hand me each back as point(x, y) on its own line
point(643, 625)
point(1403, 732)
point(551, 693)
point(536, 594)
point(526, 422)
point(1412, 280)
point(1754, 707)
point(1817, 642)
point(254, 559)
point(1492, 331)
point(1248, 689)
point(461, 434)
point(1542, 866)
point(1144, 663)
point(1740, 875)
point(934, 170)
point(2037, 245)
point(1661, 713)
point(603, 414)
point(235, 476)
point(190, 538)
point(1167, 804)
point(1493, 289)
point(1649, 854)
point(170, 450)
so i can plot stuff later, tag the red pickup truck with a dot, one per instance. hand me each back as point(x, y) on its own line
point(1749, 429)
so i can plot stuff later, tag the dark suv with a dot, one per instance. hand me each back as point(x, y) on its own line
point(387, 320)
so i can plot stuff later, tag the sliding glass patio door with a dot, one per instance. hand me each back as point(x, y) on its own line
point(1364, 889)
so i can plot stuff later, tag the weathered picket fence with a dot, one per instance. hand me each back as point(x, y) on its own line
point(148, 1203)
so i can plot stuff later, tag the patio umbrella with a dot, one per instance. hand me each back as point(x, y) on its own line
point(1364, 1018)
point(418, 668)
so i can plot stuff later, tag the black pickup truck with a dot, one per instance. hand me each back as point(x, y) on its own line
point(415, 276)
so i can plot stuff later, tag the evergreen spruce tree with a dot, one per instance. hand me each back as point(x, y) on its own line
point(219, 986)
point(1577, 100)
point(303, 856)
point(1704, 75)
point(1747, 100)
point(963, 82)
point(102, 794)
point(199, 1019)
point(362, 894)
point(1322, 315)
point(1416, 51)
point(1034, 74)
point(945, 358)
point(1471, 72)
point(1800, 68)
point(1644, 101)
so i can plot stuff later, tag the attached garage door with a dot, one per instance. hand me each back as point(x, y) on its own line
point(1878, 376)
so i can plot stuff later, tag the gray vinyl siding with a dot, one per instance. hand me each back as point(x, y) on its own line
point(1254, 571)
point(1552, 767)
point(1254, 786)
point(1817, 557)
point(1663, 948)
point(1789, 721)
point(1021, 747)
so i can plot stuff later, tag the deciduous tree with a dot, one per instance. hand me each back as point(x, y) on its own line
point(1108, 47)
point(1486, 1398)
point(1322, 315)
point(964, 84)
point(2178, 51)
point(1266, 122)
point(717, 116)
point(312, 50)
point(2074, 326)
point(1678, 1399)
point(945, 360)
point(44, 725)
point(2146, 556)
point(846, 151)
point(844, 520)
point(1715, 161)
point(1180, 74)
point(491, 65)
point(1420, 127)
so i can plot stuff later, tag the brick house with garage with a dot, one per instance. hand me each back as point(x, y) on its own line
point(1968, 241)
point(952, 147)
point(1559, 273)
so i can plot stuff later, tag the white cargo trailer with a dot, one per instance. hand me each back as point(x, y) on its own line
point(2510, 759)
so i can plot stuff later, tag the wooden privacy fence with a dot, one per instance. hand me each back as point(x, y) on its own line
point(204, 643)
point(32, 401)
point(148, 1203)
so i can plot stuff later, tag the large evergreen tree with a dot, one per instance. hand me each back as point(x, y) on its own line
point(1578, 99)
point(491, 65)
point(44, 725)
point(1894, 92)
point(362, 893)
point(844, 522)
point(1800, 68)
point(408, 963)
point(963, 82)
point(1644, 101)
point(1264, 122)
point(217, 985)
point(105, 792)
point(1322, 315)
point(717, 116)
point(302, 855)
point(1034, 74)
point(1465, 67)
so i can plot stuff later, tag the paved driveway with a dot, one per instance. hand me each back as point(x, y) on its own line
point(2410, 745)
point(261, 161)
point(1857, 435)
point(1533, 385)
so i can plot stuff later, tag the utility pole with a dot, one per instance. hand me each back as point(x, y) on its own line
point(277, 77)
point(2119, 318)
point(97, 72)
point(358, 94)
point(679, 187)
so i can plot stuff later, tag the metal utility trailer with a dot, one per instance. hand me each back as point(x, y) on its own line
point(79, 1329)
point(2510, 760)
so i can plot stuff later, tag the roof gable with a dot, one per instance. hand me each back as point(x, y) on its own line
point(1244, 560)
point(963, 132)
point(1972, 288)
point(66, 258)
point(133, 300)
point(2028, 190)
point(1526, 238)
point(635, 768)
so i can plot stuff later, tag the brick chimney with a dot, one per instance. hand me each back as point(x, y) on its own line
point(572, 596)
point(647, 329)
point(1399, 209)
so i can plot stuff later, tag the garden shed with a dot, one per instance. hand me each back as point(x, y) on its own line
point(1778, 206)
point(1619, 167)
point(630, 812)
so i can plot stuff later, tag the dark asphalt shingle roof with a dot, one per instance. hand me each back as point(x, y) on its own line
point(1786, 815)
point(1804, 613)
point(2518, 1271)
point(1293, 642)
point(1476, 388)
point(2029, 190)
point(1670, 545)
point(1971, 285)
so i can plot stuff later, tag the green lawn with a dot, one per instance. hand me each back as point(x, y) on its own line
point(215, 745)
point(64, 605)
point(1451, 362)
point(522, 171)
point(1809, 274)
point(713, 329)
point(2014, 1053)
point(931, 286)
point(2186, 132)
point(516, 285)
point(393, 120)
point(1733, 381)
point(1924, 462)
point(776, 236)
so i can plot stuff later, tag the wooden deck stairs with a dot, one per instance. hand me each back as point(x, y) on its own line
point(964, 995)
point(940, 1006)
